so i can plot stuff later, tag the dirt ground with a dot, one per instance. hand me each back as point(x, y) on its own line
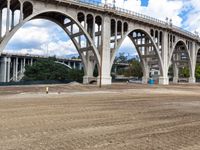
point(117, 117)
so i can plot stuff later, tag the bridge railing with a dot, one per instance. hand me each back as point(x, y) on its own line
point(112, 7)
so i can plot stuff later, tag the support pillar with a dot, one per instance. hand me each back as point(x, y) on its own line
point(21, 12)
point(0, 24)
point(192, 78)
point(8, 69)
point(31, 61)
point(8, 17)
point(80, 66)
point(89, 69)
point(176, 72)
point(21, 66)
point(74, 65)
point(3, 69)
point(164, 79)
point(14, 69)
point(24, 62)
point(105, 66)
point(145, 77)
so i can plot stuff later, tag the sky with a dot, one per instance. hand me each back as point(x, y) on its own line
point(35, 38)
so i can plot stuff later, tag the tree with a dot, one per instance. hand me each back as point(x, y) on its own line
point(121, 58)
point(184, 72)
point(135, 69)
point(197, 73)
point(47, 69)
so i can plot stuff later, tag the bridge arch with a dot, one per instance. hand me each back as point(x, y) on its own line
point(75, 37)
point(180, 59)
point(152, 50)
point(197, 64)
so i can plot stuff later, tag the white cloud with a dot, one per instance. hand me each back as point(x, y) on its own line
point(59, 49)
point(35, 38)
point(40, 32)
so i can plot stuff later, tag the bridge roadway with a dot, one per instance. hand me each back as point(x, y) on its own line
point(99, 29)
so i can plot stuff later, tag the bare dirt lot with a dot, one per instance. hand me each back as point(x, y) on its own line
point(118, 117)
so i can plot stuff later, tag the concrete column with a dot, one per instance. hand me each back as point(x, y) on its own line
point(31, 61)
point(116, 34)
point(176, 72)
point(0, 24)
point(105, 69)
point(68, 63)
point(158, 40)
point(98, 38)
point(3, 69)
point(16, 69)
point(192, 78)
point(85, 22)
point(122, 30)
point(74, 65)
point(145, 77)
point(21, 65)
point(21, 12)
point(93, 29)
point(89, 69)
point(80, 66)
point(24, 62)
point(8, 17)
point(164, 79)
point(8, 69)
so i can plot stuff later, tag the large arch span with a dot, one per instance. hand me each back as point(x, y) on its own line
point(146, 47)
point(80, 33)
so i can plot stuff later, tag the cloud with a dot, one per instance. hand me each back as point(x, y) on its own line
point(192, 19)
point(59, 49)
point(35, 35)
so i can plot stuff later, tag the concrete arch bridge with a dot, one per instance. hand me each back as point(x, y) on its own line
point(98, 30)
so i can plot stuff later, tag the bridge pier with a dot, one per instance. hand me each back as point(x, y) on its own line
point(145, 77)
point(192, 80)
point(164, 79)
point(105, 69)
point(176, 72)
point(3, 69)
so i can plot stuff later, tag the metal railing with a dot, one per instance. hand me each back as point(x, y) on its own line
point(118, 10)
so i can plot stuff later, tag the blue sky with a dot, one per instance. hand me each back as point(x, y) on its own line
point(35, 38)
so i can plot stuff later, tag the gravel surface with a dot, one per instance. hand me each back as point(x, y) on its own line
point(118, 117)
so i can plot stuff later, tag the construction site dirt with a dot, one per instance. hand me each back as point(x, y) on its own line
point(86, 117)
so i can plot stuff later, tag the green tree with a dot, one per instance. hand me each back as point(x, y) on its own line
point(134, 69)
point(197, 73)
point(184, 72)
point(47, 69)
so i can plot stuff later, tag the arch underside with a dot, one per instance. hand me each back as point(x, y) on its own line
point(180, 59)
point(146, 49)
point(76, 32)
